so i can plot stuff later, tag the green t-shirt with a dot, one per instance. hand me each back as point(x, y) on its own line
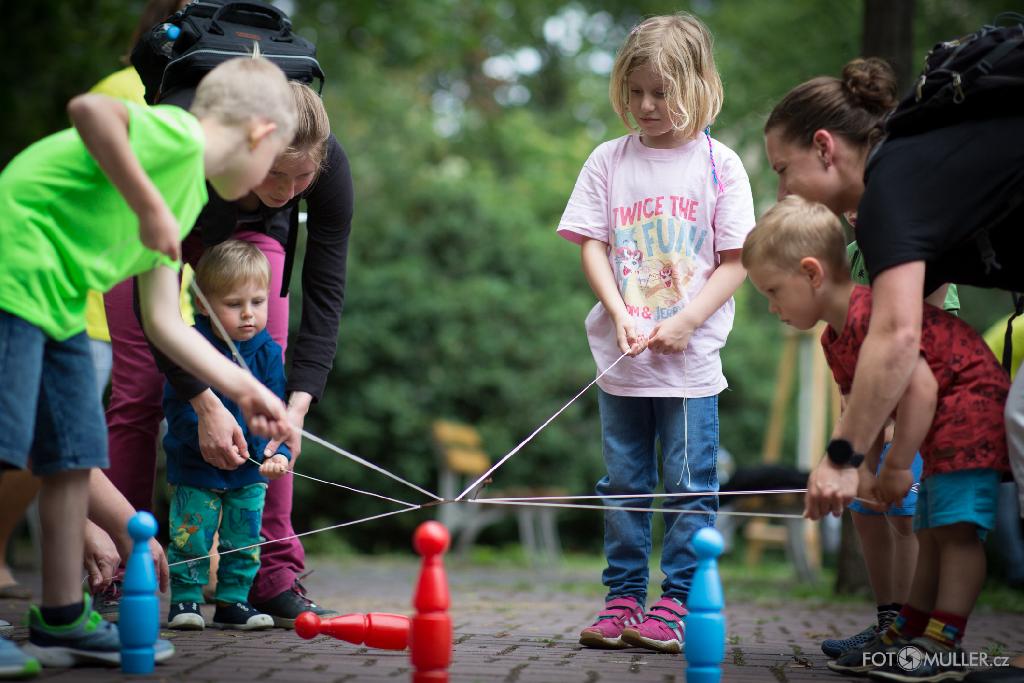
point(65, 228)
point(859, 274)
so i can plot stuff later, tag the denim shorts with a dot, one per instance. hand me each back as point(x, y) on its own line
point(954, 497)
point(49, 408)
point(906, 507)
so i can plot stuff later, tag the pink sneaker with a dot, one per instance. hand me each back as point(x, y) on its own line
point(662, 628)
point(606, 632)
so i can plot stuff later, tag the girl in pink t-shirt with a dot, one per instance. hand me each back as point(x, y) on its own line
point(660, 216)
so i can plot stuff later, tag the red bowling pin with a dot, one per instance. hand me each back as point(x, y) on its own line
point(431, 634)
point(376, 629)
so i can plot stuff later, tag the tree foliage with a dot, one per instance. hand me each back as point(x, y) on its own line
point(466, 122)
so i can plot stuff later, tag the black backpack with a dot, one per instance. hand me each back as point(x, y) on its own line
point(978, 76)
point(177, 53)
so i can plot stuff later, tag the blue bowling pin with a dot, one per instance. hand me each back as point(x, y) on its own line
point(140, 608)
point(705, 625)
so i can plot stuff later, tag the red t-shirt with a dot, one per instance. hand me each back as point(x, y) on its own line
point(968, 431)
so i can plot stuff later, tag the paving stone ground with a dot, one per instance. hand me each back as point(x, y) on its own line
point(512, 625)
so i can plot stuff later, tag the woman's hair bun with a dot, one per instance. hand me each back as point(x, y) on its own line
point(871, 82)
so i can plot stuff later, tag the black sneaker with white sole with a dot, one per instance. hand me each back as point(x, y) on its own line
point(240, 616)
point(185, 616)
point(286, 606)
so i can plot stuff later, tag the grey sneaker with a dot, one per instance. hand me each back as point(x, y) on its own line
point(923, 659)
point(834, 647)
point(14, 663)
point(5, 628)
point(88, 640)
point(858, 662)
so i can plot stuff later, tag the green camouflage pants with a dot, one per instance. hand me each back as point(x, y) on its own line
point(196, 514)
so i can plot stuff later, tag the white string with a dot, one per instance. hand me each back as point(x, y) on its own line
point(684, 494)
point(537, 430)
point(530, 499)
point(539, 502)
point(367, 463)
point(304, 533)
point(342, 486)
point(780, 515)
point(241, 361)
point(686, 438)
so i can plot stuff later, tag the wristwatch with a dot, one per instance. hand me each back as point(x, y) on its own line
point(841, 453)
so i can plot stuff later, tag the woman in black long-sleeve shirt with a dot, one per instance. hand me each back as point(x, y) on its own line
point(316, 170)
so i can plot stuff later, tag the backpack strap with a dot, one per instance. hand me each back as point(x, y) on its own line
point(1018, 309)
point(289, 250)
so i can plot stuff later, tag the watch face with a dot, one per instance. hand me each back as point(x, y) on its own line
point(840, 451)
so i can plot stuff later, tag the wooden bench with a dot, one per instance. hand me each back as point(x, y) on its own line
point(798, 537)
point(461, 460)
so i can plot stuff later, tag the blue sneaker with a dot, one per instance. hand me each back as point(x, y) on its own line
point(88, 640)
point(833, 647)
point(14, 663)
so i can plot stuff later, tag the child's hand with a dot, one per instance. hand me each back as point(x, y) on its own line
point(159, 231)
point(867, 489)
point(274, 467)
point(630, 341)
point(894, 484)
point(671, 336)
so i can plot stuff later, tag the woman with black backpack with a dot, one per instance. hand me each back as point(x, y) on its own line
point(941, 200)
point(314, 169)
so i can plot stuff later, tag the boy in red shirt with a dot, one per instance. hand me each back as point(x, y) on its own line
point(952, 411)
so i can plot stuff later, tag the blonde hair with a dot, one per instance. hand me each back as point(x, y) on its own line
point(794, 229)
point(313, 127)
point(678, 48)
point(230, 263)
point(245, 88)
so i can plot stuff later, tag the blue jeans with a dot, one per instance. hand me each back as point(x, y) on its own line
point(49, 407)
point(631, 428)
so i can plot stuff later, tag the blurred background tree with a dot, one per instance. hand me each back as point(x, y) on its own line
point(466, 122)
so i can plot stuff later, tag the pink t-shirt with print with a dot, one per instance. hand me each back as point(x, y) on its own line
point(664, 219)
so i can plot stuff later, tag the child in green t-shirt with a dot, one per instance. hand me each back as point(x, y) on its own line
point(83, 209)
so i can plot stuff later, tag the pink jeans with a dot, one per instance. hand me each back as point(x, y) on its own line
point(135, 412)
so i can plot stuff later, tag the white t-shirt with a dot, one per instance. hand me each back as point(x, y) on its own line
point(664, 219)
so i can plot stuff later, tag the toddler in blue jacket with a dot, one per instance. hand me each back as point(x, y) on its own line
point(234, 276)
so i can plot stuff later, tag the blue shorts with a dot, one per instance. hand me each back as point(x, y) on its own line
point(905, 508)
point(49, 407)
point(954, 497)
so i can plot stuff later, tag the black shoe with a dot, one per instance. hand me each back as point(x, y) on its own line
point(998, 674)
point(185, 616)
point(285, 607)
point(240, 616)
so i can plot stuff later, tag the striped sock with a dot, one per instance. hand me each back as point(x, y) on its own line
point(887, 614)
point(910, 623)
point(946, 628)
